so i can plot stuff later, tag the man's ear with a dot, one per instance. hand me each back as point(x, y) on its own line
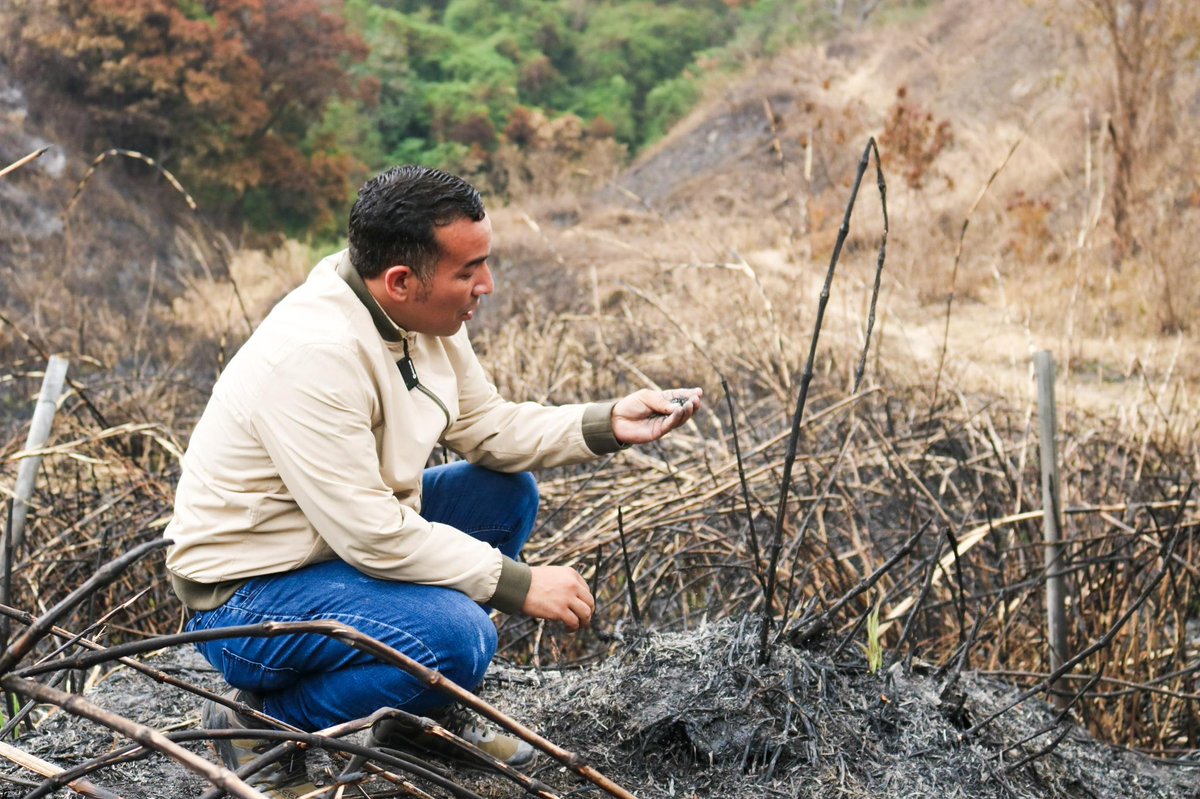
point(400, 283)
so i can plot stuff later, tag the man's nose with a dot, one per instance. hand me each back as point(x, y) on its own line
point(485, 285)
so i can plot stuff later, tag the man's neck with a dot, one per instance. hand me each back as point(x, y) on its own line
point(387, 326)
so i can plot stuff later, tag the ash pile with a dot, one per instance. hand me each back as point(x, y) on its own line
point(693, 714)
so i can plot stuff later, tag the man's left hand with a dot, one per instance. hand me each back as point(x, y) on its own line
point(646, 415)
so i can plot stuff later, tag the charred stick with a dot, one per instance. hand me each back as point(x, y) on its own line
point(6, 585)
point(805, 381)
point(912, 613)
point(1045, 750)
point(1074, 700)
point(812, 509)
point(41, 627)
point(1053, 725)
point(629, 585)
point(964, 648)
point(10, 702)
point(741, 469)
point(959, 608)
point(821, 622)
point(862, 361)
point(858, 625)
point(1165, 553)
point(147, 736)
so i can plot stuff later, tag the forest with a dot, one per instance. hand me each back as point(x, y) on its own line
point(273, 112)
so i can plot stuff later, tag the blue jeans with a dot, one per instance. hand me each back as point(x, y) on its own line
point(312, 681)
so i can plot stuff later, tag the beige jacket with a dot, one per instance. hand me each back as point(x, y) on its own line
point(312, 448)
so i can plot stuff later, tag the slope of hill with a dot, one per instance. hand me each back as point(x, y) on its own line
point(763, 168)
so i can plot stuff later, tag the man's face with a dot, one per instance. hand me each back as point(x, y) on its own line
point(461, 278)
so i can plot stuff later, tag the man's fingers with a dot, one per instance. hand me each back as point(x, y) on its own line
point(680, 396)
point(559, 593)
point(581, 606)
point(660, 403)
point(581, 611)
point(680, 402)
point(678, 416)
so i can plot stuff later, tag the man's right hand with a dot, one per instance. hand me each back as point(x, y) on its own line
point(559, 593)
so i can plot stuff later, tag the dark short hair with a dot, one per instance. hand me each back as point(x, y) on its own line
point(395, 217)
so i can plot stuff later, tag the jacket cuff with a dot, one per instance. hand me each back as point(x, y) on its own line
point(597, 428)
point(512, 586)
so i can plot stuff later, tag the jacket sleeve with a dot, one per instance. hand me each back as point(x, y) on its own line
point(519, 436)
point(314, 419)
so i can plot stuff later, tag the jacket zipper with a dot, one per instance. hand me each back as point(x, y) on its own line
point(408, 371)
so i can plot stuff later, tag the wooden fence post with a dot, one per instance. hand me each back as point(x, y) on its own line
point(1056, 605)
point(39, 433)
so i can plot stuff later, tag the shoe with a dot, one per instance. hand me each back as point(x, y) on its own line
point(286, 778)
point(406, 735)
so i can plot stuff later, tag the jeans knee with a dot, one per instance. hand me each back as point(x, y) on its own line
point(526, 498)
point(470, 650)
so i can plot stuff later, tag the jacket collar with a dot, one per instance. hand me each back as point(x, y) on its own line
point(388, 329)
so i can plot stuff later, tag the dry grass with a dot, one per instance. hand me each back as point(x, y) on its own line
point(875, 467)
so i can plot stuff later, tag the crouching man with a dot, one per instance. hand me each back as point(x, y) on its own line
point(304, 493)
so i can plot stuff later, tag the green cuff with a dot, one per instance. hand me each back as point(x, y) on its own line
point(597, 429)
point(512, 587)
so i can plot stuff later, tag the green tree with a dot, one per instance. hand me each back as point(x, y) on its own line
point(645, 44)
point(612, 100)
point(458, 76)
point(667, 103)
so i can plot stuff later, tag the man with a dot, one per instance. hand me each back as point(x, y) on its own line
point(304, 493)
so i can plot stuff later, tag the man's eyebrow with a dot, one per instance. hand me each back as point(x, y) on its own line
point(476, 262)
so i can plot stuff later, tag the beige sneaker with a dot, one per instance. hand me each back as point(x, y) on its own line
point(407, 736)
point(286, 778)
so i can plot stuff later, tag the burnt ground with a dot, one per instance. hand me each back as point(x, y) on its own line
point(692, 715)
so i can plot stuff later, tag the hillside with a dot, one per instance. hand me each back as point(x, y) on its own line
point(1033, 273)
point(998, 74)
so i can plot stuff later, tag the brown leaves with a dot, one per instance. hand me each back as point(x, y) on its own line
point(223, 91)
point(913, 135)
